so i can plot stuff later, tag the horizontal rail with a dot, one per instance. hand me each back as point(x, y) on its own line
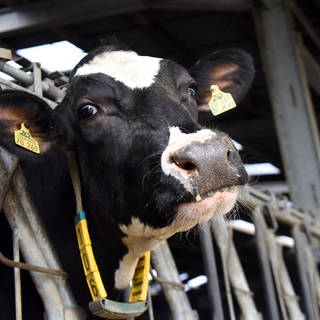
point(289, 216)
point(30, 267)
point(14, 86)
point(27, 79)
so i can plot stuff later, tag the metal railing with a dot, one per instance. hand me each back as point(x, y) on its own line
point(284, 296)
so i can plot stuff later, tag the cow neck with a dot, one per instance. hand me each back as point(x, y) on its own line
point(101, 306)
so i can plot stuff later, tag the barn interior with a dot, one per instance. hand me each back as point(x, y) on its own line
point(276, 125)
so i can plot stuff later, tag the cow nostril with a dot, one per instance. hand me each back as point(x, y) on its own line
point(186, 165)
point(229, 155)
point(233, 157)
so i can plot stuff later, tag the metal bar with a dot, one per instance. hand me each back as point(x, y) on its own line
point(8, 164)
point(16, 73)
point(50, 90)
point(298, 137)
point(150, 306)
point(303, 279)
point(44, 284)
point(19, 186)
point(290, 298)
point(312, 272)
point(305, 23)
point(224, 241)
point(17, 276)
point(317, 284)
point(177, 299)
point(24, 220)
point(14, 86)
point(236, 274)
point(30, 267)
point(275, 265)
point(268, 286)
point(209, 262)
point(37, 81)
point(288, 216)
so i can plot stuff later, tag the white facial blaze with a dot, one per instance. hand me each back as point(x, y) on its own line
point(136, 72)
point(177, 141)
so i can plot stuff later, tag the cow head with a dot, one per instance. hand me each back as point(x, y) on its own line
point(148, 169)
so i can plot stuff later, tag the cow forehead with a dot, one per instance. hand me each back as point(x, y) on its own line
point(136, 72)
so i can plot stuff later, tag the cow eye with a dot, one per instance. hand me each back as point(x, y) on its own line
point(87, 111)
point(191, 91)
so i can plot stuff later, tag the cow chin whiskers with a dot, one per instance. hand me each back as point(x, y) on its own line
point(234, 213)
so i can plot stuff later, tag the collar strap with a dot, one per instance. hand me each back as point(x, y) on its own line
point(139, 287)
point(100, 306)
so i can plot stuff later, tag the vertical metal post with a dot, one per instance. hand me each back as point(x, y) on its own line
point(177, 299)
point(8, 165)
point(270, 292)
point(37, 81)
point(234, 271)
point(306, 296)
point(150, 306)
point(292, 109)
point(17, 276)
point(211, 272)
point(55, 292)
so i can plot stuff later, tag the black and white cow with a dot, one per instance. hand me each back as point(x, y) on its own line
point(148, 169)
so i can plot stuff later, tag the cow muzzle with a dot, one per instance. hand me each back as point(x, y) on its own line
point(204, 162)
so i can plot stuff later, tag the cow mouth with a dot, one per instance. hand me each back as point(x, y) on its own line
point(211, 193)
point(203, 207)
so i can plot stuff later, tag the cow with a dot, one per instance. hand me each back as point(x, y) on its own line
point(148, 169)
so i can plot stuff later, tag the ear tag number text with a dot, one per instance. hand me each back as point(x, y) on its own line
point(220, 101)
point(24, 139)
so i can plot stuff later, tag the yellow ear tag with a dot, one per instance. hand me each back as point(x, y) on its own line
point(220, 101)
point(24, 139)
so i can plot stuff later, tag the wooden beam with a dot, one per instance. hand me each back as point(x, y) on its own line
point(44, 14)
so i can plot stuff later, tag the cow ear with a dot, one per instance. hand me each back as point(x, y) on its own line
point(27, 124)
point(232, 70)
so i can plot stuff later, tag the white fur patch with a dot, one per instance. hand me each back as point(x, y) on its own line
point(139, 239)
point(135, 71)
point(177, 141)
